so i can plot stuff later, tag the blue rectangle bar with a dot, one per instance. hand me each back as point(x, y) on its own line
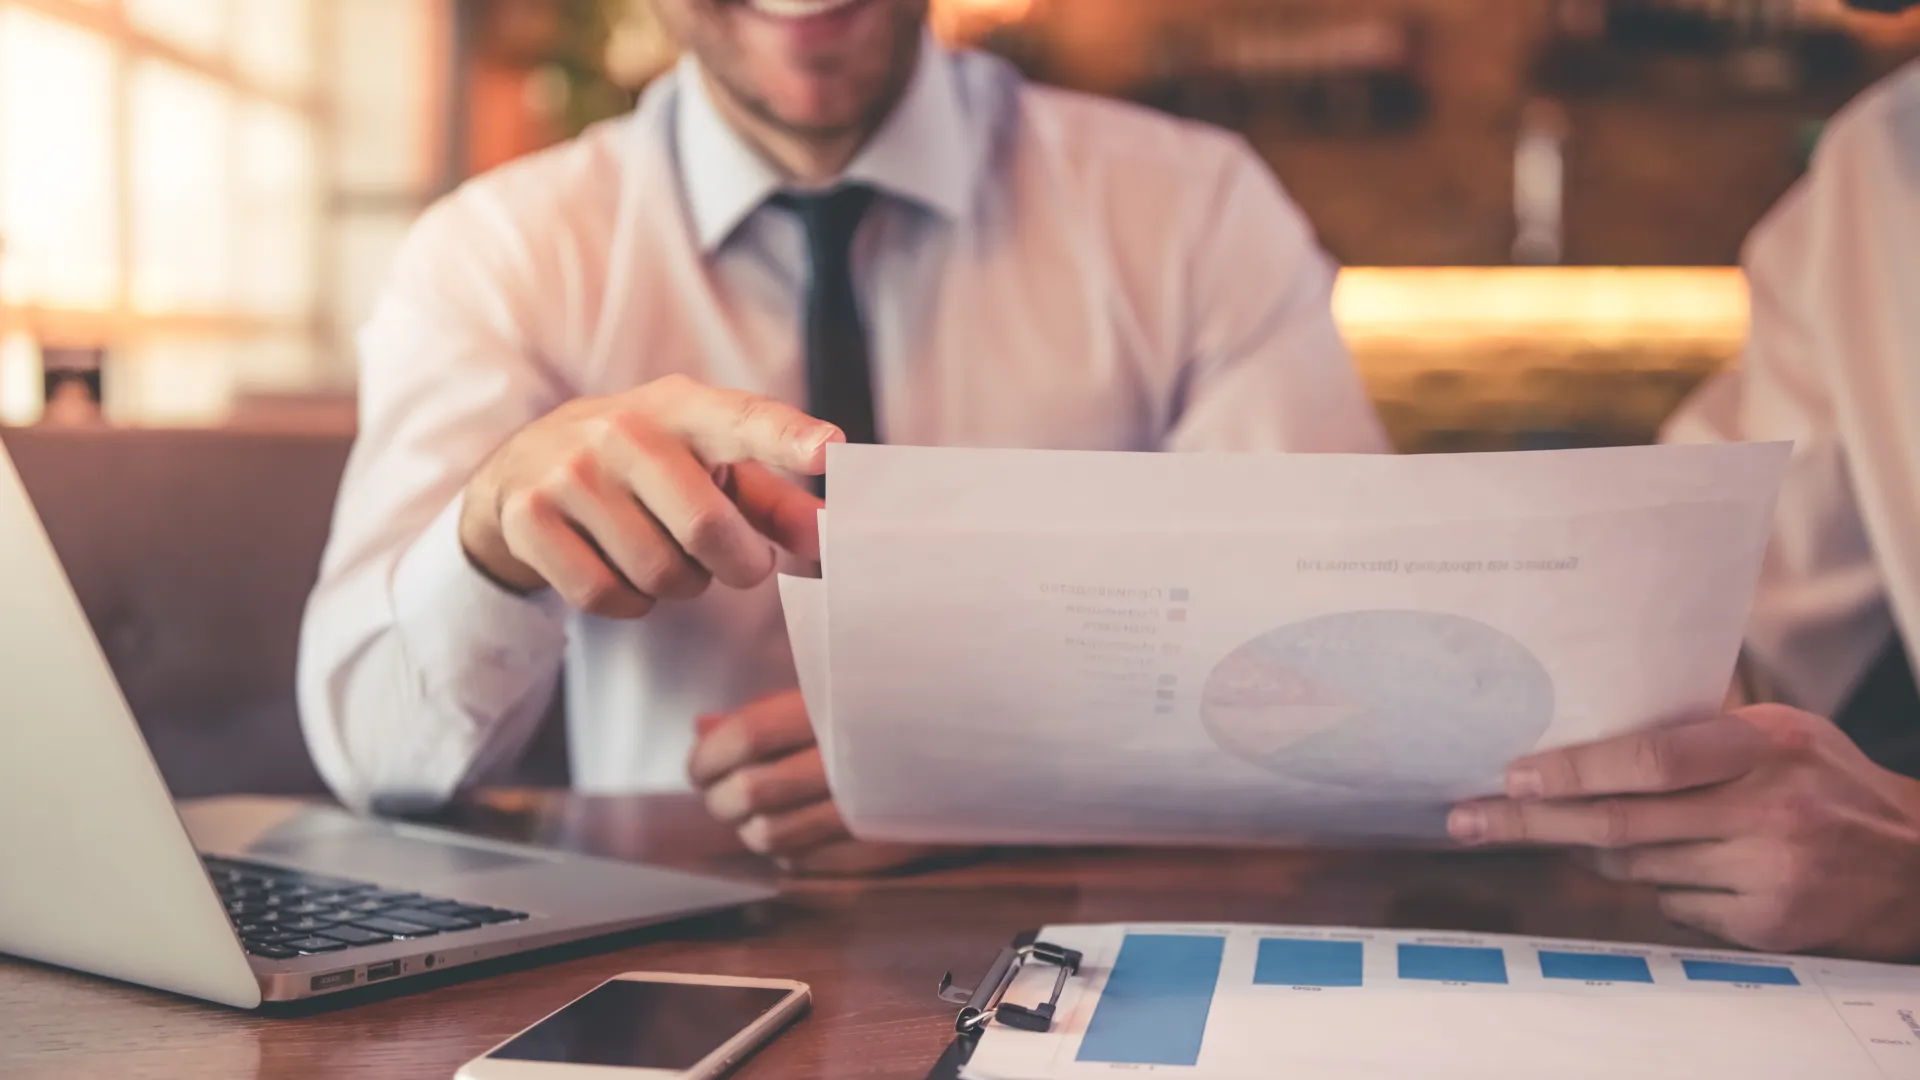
point(1727, 971)
point(1154, 1008)
point(1453, 963)
point(1305, 962)
point(1594, 967)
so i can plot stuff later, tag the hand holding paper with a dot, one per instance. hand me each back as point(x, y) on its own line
point(1767, 827)
point(1059, 647)
point(760, 772)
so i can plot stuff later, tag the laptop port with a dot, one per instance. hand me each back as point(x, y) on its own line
point(331, 980)
point(376, 972)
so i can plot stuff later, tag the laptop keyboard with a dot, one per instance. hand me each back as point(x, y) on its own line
point(281, 913)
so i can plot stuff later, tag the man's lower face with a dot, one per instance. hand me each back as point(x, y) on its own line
point(808, 65)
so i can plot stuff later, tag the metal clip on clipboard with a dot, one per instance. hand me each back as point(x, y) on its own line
point(988, 1000)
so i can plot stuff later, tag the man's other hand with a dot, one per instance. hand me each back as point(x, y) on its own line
point(617, 502)
point(1766, 827)
point(760, 771)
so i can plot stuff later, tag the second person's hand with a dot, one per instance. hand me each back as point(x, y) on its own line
point(1767, 827)
point(760, 771)
point(617, 502)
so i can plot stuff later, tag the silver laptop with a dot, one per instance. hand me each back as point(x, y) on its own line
point(247, 900)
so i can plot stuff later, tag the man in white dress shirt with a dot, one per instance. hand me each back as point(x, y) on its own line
point(1773, 826)
point(585, 393)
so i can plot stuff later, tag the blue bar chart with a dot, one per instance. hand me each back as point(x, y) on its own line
point(1594, 967)
point(1729, 972)
point(1155, 1005)
point(1239, 1002)
point(1308, 962)
point(1453, 963)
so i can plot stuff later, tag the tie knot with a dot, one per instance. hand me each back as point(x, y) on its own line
point(830, 217)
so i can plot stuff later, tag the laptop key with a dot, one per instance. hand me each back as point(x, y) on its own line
point(353, 935)
point(272, 952)
point(306, 924)
point(396, 927)
point(430, 918)
point(314, 944)
point(319, 883)
point(280, 908)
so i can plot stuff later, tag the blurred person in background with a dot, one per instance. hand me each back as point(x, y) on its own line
point(1793, 823)
point(598, 379)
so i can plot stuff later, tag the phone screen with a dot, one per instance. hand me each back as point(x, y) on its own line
point(644, 1025)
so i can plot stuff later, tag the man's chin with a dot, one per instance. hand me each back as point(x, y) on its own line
point(816, 121)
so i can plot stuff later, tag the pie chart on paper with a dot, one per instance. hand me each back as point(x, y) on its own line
point(1421, 701)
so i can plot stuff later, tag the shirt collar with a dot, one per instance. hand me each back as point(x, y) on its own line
point(925, 151)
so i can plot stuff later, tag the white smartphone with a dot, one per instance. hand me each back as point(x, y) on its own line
point(648, 1025)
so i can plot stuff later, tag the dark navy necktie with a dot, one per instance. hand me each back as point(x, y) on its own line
point(839, 383)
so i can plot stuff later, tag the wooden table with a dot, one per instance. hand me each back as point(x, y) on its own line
point(873, 950)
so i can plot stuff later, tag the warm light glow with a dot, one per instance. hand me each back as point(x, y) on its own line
point(275, 235)
point(183, 190)
point(380, 95)
point(20, 384)
point(272, 42)
point(169, 381)
point(1582, 303)
point(1001, 10)
point(162, 188)
point(200, 26)
point(57, 227)
point(958, 19)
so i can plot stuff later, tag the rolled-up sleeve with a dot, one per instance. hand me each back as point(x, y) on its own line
point(416, 672)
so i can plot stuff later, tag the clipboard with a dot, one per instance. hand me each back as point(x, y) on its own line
point(986, 1003)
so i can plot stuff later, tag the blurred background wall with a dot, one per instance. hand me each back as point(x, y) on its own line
point(1539, 201)
point(1538, 204)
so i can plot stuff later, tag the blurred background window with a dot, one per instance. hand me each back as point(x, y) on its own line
point(58, 207)
point(207, 193)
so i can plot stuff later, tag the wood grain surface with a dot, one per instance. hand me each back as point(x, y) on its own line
point(873, 950)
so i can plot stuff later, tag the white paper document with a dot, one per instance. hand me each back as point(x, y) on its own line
point(1072, 647)
point(1313, 1003)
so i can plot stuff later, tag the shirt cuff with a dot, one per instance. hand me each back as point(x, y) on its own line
point(465, 635)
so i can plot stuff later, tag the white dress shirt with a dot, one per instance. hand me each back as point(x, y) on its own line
point(1833, 363)
point(1043, 269)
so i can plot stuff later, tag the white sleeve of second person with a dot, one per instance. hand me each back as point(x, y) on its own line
point(1267, 368)
point(1820, 614)
point(417, 674)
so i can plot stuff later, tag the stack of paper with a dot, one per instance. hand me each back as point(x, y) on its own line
point(1313, 1003)
point(1067, 647)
